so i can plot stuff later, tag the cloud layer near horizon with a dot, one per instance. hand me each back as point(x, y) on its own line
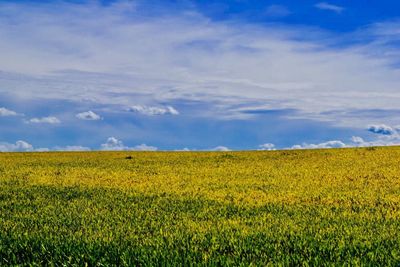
point(384, 136)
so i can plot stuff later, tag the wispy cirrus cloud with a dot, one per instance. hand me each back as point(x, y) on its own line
point(187, 57)
point(45, 120)
point(153, 111)
point(330, 7)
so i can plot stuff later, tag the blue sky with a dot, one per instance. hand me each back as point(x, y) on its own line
point(198, 75)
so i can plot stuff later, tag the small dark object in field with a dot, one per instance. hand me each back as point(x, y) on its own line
point(371, 148)
point(128, 157)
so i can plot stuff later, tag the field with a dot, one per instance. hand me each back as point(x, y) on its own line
point(309, 207)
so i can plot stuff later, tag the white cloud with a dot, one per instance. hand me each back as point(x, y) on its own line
point(330, 7)
point(220, 148)
point(49, 120)
point(267, 146)
point(72, 148)
point(357, 140)
point(185, 149)
point(19, 146)
point(381, 129)
point(6, 112)
point(88, 115)
point(386, 136)
point(187, 56)
point(328, 144)
point(152, 111)
point(144, 147)
point(23, 146)
point(383, 140)
point(113, 144)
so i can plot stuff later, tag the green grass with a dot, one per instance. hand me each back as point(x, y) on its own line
point(321, 207)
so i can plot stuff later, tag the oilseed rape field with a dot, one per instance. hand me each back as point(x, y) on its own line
point(288, 208)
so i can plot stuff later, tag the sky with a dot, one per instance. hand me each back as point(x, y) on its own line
point(199, 75)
